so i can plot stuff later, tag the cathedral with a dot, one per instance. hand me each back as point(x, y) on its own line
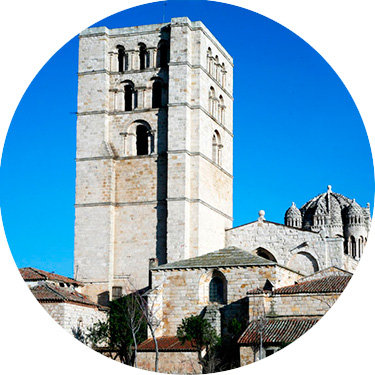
point(154, 165)
point(154, 193)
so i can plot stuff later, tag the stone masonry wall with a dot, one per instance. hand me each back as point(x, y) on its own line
point(170, 362)
point(185, 292)
point(300, 250)
point(296, 305)
point(131, 208)
point(72, 316)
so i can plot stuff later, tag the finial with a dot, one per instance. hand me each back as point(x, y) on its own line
point(368, 205)
point(329, 187)
point(261, 214)
point(293, 204)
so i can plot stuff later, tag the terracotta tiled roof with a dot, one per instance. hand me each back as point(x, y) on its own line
point(329, 284)
point(167, 344)
point(33, 274)
point(48, 293)
point(228, 257)
point(276, 331)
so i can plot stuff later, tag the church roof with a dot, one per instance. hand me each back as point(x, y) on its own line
point(33, 274)
point(227, 257)
point(276, 330)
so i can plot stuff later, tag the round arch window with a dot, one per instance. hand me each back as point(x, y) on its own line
point(216, 290)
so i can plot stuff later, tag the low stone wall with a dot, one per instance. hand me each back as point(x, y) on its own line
point(71, 316)
point(170, 362)
point(246, 355)
point(300, 305)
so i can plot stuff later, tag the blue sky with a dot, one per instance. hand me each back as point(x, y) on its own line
point(296, 130)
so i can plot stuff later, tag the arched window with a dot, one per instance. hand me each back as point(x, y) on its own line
point(346, 247)
point(121, 58)
point(353, 248)
point(221, 109)
point(223, 73)
point(142, 140)
point(216, 290)
point(360, 246)
point(129, 97)
point(217, 68)
point(211, 101)
point(216, 147)
point(142, 56)
point(157, 90)
point(209, 60)
point(162, 55)
point(261, 252)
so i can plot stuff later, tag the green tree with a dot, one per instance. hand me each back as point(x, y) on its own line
point(202, 336)
point(124, 328)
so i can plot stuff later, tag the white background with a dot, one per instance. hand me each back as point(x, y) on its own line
point(341, 31)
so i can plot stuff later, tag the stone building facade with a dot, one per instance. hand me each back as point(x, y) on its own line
point(187, 287)
point(60, 296)
point(154, 150)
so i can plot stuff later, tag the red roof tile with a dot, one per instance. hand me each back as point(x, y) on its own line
point(276, 330)
point(329, 284)
point(33, 274)
point(167, 344)
point(47, 293)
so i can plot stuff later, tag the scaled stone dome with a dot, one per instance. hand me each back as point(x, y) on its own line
point(293, 212)
point(325, 209)
point(355, 210)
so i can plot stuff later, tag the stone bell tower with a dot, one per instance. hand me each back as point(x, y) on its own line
point(154, 151)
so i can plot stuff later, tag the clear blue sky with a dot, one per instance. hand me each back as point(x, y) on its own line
point(296, 130)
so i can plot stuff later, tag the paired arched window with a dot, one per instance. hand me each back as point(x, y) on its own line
point(157, 92)
point(139, 139)
point(214, 68)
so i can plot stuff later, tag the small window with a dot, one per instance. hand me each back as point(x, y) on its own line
point(142, 140)
point(157, 94)
point(216, 290)
point(353, 247)
point(142, 57)
point(163, 54)
point(116, 292)
point(121, 58)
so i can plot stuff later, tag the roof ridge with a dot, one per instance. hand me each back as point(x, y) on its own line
point(55, 292)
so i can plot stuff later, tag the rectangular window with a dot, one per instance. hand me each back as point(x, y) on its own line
point(116, 292)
